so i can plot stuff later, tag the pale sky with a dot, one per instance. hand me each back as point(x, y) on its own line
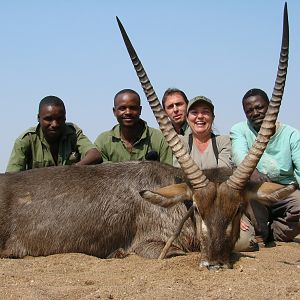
point(74, 50)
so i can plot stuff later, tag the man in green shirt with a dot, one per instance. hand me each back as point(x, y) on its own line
point(52, 142)
point(132, 138)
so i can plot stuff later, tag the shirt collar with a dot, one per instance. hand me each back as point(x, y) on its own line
point(278, 129)
point(183, 128)
point(115, 132)
point(67, 131)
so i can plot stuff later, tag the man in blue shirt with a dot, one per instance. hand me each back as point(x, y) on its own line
point(280, 163)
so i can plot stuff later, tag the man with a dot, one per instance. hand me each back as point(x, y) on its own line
point(52, 142)
point(175, 103)
point(132, 139)
point(280, 163)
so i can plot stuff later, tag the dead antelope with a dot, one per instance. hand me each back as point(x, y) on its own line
point(98, 210)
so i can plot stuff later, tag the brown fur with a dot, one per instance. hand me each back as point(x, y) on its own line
point(218, 210)
point(89, 209)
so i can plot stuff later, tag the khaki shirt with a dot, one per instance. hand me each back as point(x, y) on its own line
point(207, 159)
point(113, 148)
point(31, 150)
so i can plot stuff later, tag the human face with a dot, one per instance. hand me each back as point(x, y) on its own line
point(52, 121)
point(175, 107)
point(200, 119)
point(255, 108)
point(127, 109)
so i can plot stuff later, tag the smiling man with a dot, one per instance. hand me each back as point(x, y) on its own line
point(52, 142)
point(280, 163)
point(132, 138)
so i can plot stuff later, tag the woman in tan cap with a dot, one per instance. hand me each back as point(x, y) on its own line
point(207, 149)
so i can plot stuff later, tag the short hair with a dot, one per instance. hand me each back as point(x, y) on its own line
point(256, 92)
point(53, 101)
point(125, 91)
point(171, 91)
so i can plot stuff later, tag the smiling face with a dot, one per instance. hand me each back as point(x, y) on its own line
point(52, 121)
point(175, 107)
point(200, 118)
point(127, 109)
point(255, 108)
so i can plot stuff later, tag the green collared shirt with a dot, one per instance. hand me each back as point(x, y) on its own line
point(31, 150)
point(113, 149)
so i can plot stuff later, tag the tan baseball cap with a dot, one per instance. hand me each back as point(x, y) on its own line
point(200, 99)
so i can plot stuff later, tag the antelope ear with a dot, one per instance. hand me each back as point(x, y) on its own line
point(269, 192)
point(168, 196)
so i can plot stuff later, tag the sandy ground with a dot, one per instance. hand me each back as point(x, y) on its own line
point(271, 273)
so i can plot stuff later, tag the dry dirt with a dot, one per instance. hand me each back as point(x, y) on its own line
point(271, 273)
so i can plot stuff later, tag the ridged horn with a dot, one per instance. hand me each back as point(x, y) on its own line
point(191, 170)
point(243, 172)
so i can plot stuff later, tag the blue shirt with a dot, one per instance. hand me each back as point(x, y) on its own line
point(281, 159)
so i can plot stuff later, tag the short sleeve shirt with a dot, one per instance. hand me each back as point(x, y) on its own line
point(281, 158)
point(113, 149)
point(31, 150)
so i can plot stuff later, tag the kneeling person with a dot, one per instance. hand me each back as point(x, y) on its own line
point(280, 163)
point(52, 142)
point(132, 138)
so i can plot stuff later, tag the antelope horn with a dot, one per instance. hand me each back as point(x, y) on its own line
point(191, 170)
point(243, 172)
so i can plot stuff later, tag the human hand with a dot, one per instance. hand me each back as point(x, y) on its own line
point(244, 226)
point(259, 177)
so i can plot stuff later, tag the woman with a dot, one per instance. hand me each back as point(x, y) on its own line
point(212, 151)
point(207, 149)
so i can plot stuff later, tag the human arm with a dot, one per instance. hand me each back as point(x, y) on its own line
point(165, 152)
point(244, 226)
point(166, 155)
point(239, 143)
point(19, 156)
point(295, 153)
point(259, 177)
point(88, 151)
point(100, 144)
point(92, 156)
point(224, 151)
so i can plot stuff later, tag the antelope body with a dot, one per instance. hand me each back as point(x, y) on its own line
point(95, 210)
point(98, 210)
